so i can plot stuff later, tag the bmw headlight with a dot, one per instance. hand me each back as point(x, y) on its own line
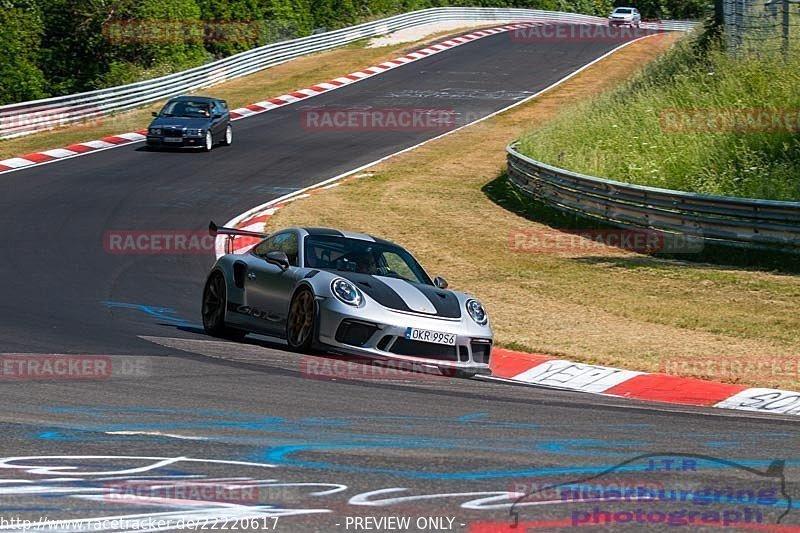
point(346, 292)
point(477, 312)
point(198, 133)
point(155, 131)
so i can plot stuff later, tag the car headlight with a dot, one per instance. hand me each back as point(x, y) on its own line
point(195, 132)
point(477, 312)
point(346, 292)
point(155, 131)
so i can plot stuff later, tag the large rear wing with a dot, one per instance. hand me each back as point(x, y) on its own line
point(232, 244)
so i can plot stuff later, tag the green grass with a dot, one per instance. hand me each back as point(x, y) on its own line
point(620, 135)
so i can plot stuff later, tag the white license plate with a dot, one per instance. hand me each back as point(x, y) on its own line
point(173, 139)
point(426, 335)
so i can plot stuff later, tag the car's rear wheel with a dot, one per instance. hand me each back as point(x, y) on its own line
point(208, 142)
point(228, 140)
point(301, 321)
point(215, 300)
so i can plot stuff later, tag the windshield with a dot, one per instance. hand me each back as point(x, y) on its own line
point(330, 252)
point(187, 108)
point(622, 11)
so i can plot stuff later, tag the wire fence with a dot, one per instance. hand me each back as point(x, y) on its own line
point(760, 26)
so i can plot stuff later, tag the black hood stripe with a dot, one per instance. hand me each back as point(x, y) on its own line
point(377, 290)
point(445, 302)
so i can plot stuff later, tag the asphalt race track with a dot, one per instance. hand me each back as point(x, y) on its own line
point(294, 453)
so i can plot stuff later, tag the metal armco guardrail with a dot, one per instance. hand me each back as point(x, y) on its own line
point(740, 221)
point(28, 117)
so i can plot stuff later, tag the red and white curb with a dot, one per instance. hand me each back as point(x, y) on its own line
point(256, 218)
point(114, 141)
point(353, 77)
point(567, 375)
point(73, 150)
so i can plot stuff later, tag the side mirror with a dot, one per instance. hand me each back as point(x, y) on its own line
point(278, 258)
point(440, 282)
point(154, 113)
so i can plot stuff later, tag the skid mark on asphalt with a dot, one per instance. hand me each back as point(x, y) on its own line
point(293, 442)
point(142, 487)
point(318, 454)
point(151, 484)
point(163, 314)
point(461, 94)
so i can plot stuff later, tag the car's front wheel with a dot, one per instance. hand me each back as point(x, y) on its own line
point(228, 140)
point(215, 300)
point(208, 142)
point(301, 321)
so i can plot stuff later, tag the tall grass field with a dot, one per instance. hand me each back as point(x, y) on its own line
point(689, 121)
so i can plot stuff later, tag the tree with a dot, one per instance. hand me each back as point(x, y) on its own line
point(20, 38)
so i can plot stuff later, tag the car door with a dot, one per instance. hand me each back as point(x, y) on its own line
point(226, 114)
point(269, 287)
point(218, 121)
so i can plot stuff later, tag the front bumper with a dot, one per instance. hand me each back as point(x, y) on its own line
point(192, 142)
point(380, 333)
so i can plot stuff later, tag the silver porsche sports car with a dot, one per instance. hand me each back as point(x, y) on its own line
point(345, 293)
